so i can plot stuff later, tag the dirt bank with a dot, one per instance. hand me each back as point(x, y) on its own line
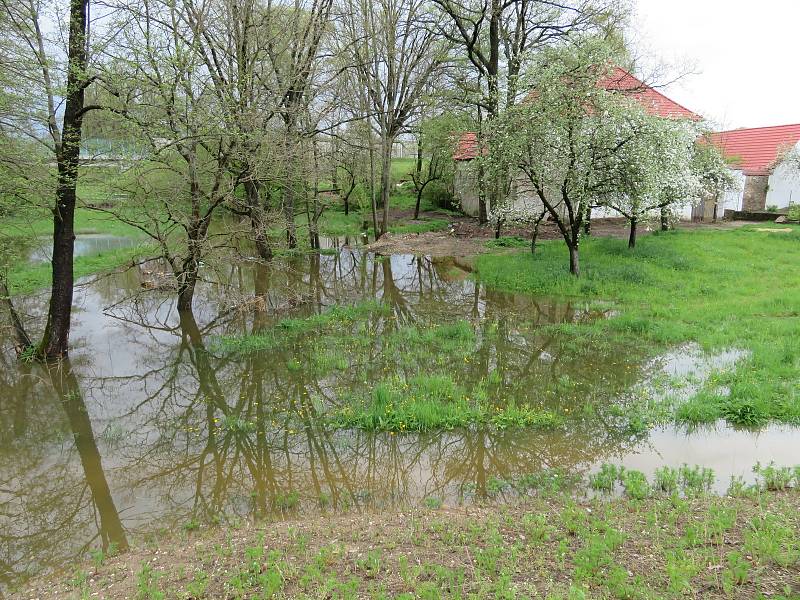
point(546, 547)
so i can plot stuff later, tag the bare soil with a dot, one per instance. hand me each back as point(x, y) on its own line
point(466, 237)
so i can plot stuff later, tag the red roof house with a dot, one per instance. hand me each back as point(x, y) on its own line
point(466, 146)
point(653, 101)
point(766, 179)
point(757, 151)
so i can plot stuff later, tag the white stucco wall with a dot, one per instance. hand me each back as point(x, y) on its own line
point(603, 212)
point(784, 186)
point(732, 199)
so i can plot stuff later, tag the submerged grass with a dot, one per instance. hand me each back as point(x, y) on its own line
point(719, 288)
point(287, 330)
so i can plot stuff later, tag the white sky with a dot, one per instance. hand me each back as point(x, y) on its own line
point(744, 56)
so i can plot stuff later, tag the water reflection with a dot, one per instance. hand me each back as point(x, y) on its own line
point(152, 427)
point(86, 244)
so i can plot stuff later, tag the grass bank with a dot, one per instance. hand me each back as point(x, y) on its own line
point(548, 542)
point(719, 288)
point(334, 222)
point(21, 236)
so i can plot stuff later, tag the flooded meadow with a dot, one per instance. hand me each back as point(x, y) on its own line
point(304, 386)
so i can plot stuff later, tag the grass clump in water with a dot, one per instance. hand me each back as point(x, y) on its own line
point(427, 403)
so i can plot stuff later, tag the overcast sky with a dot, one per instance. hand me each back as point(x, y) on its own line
point(745, 53)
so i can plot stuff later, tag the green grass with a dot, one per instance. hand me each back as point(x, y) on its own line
point(86, 221)
point(402, 168)
point(722, 289)
point(335, 223)
point(20, 236)
point(30, 278)
point(545, 539)
point(430, 403)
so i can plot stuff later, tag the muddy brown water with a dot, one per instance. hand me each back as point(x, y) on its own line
point(154, 429)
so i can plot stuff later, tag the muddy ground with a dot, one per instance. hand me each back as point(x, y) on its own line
point(466, 237)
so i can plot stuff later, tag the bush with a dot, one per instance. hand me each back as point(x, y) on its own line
point(440, 195)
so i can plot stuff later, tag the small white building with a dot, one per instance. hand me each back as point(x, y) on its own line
point(757, 158)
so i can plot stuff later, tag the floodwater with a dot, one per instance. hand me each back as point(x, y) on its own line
point(151, 427)
point(86, 244)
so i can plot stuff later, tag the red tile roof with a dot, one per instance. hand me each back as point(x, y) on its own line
point(757, 151)
point(619, 79)
point(467, 146)
point(651, 99)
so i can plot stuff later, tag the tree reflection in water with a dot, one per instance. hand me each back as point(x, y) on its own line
point(188, 433)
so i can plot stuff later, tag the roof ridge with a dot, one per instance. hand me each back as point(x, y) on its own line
point(743, 129)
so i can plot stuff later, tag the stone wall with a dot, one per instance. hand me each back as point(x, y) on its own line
point(755, 192)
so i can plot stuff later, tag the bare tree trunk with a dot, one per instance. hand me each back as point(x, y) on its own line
point(418, 178)
point(574, 261)
point(259, 227)
point(186, 292)
point(535, 232)
point(55, 341)
point(587, 224)
point(664, 219)
point(373, 205)
point(386, 181)
point(289, 185)
point(21, 339)
point(187, 279)
point(483, 214)
point(313, 225)
point(632, 235)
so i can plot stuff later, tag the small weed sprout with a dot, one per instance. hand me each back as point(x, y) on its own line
point(433, 503)
point(667, 479)
point(696, 480)
point(635, 484)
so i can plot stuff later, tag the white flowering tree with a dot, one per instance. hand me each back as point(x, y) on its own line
point(655, 171)
point(569, 138)
point(667, 166)
point(580, 145)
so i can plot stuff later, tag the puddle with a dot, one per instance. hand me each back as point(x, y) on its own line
point(86, 244)
point(158, 429)
point(728, 451)
point(680, 373)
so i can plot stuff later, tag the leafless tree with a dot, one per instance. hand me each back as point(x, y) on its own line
point(394, 49)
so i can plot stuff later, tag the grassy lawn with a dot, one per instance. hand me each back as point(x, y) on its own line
point(667, 538)
point(402, 168)
point(334, 222)
point(722, 289)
